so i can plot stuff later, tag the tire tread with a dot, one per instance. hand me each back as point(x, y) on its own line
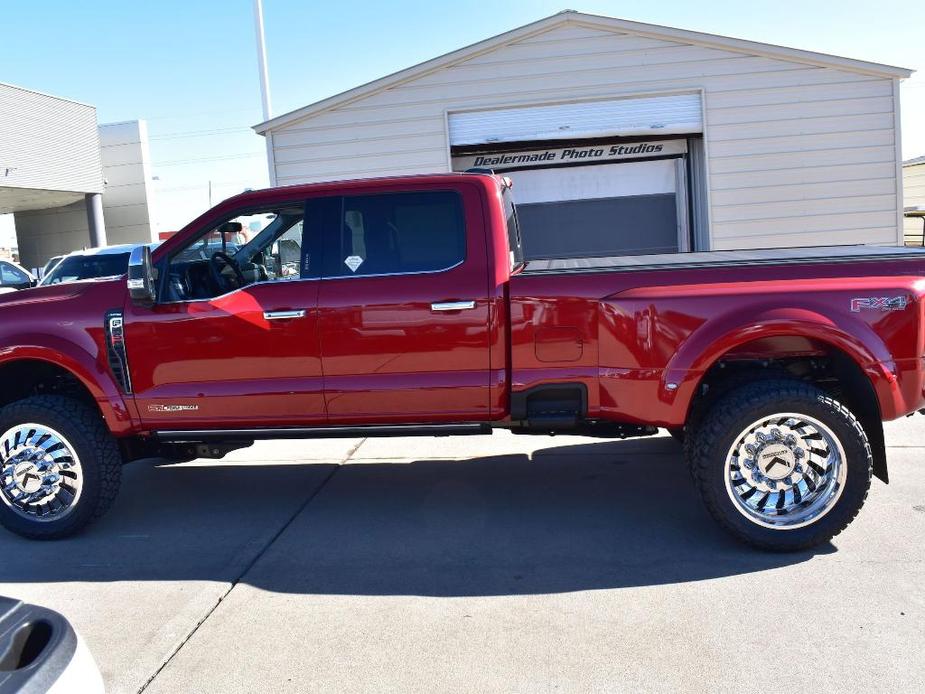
point(715, 423)
point(107, 459)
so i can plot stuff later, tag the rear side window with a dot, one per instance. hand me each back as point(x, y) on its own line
point(513, 229)
point(396, 233)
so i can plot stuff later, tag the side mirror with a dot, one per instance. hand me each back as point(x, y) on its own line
point(141, 277)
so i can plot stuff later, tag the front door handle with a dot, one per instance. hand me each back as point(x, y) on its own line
point(453, 306)
point(283, 315)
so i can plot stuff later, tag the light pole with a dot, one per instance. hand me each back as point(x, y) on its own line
point(262, 60)
point(264, 85)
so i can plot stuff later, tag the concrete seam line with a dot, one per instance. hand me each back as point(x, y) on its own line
point(250, 565)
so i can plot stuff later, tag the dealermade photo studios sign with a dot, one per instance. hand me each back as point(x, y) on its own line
point(571, 155)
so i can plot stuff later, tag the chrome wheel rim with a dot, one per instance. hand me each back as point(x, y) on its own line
point(40, 475)
point(785, 471)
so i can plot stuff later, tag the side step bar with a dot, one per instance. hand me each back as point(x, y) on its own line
point(322, 432)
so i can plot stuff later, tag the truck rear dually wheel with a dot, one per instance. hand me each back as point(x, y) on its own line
point(780, 464)
point(59, 466)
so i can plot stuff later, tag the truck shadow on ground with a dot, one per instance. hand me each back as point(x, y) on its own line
point(591, 516)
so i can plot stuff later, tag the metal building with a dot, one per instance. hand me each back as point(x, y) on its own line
point(634, 138)
point(69, 182)
point(914, 200)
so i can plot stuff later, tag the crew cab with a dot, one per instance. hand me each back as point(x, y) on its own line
point(405, 306)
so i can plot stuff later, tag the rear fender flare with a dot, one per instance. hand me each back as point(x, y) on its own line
point(717, 337)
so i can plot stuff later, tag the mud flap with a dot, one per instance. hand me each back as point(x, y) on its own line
point(874, 432)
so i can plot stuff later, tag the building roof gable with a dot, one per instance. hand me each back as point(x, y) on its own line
point(579, 19)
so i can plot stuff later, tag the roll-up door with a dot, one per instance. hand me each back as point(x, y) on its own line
point(611, 209)
point(655, 115)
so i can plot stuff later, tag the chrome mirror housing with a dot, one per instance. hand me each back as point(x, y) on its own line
point(141, 277)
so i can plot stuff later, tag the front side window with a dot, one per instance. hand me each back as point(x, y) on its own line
point(255, 246)
point(396, 233)
point(12, 275)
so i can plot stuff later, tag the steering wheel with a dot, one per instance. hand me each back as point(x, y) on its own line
point(215, 270)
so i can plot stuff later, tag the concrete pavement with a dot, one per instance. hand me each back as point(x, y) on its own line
point(477, 564)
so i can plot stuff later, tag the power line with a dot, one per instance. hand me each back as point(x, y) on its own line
point(195, 186)
point(207, 113)
point(200, 133)
point(181, 162)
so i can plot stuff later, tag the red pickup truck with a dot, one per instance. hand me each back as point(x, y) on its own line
point(404, 306)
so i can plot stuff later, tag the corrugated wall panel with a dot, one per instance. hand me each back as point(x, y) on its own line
point(602, 43)
point(914, 196)
point(798, 155)
point(626, 60)
point(885, 185)
point(48, 143)
point(742, 101)
point(373, 147)
point(772, 179)
point(127, 206)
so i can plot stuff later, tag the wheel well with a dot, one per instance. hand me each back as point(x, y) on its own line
point(23, 378)
point(805, 359)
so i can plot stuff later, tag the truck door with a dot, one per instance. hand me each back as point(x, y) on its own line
point(232, 341)
point(403, 307)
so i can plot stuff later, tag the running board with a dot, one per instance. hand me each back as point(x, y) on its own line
point(323, 432)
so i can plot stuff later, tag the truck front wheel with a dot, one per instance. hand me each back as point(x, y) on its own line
point(59, 466)
point(780, 464)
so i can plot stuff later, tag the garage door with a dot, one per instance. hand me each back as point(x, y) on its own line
point(628, 208)
point(656, 115)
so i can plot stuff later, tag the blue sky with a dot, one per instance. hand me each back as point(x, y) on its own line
point(189, 67)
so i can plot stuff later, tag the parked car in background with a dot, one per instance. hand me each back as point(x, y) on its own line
point(50, 265)
point(13, 276)
point(93, 263)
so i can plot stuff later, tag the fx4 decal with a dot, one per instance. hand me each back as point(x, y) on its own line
point(879, 303)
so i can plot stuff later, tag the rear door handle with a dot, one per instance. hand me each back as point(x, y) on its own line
point(283, 315)
point(452, 306)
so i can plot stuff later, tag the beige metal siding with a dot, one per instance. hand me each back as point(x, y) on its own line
point(126, 201)
point(797, 155)
point(914, 196)
point(48, 143)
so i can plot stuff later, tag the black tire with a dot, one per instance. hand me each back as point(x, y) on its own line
point(717, 431)
point(677, 435)
point(100, 462)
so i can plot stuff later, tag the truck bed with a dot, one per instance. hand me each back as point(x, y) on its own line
point(716, 259)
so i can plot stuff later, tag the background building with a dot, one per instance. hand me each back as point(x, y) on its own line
point(914, 200)
point(127, 201)
point(636, 138)
point(70, 183)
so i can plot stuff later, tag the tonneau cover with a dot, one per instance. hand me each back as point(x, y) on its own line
point(764, 256)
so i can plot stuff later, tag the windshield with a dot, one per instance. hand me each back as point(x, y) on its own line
point(85, 267)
